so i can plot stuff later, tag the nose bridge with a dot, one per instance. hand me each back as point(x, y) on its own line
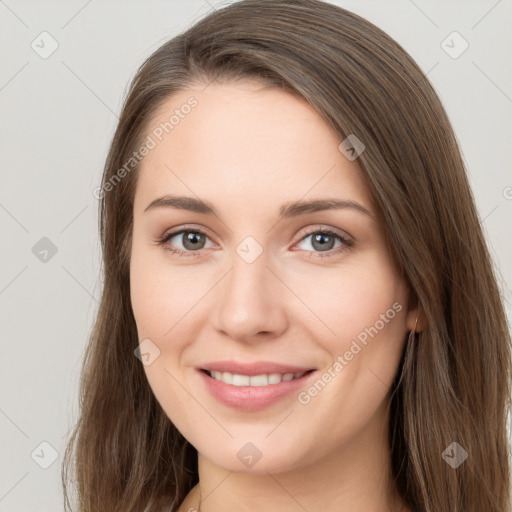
point(248, 281)
point(247, 304)
point(249, 274)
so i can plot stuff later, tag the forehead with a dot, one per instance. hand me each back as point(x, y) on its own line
point(246, 144)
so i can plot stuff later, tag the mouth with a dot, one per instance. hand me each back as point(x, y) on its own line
point(257, 391)
point(261, 380)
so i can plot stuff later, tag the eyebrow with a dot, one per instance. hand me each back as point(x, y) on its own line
point(287, 210)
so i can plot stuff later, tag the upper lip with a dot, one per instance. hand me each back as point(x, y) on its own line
point(254, 368)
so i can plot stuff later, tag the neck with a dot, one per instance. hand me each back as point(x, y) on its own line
point(356, 477)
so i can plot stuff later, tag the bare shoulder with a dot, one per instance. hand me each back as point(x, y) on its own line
point(191, 501)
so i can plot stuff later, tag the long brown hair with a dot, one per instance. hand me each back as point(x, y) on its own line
point(453, 382)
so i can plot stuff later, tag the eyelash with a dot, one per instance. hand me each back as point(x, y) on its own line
point(347, 244)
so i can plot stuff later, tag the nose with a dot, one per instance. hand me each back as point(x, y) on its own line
point(251, 300)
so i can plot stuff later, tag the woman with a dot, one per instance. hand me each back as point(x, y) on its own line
point(299, 310)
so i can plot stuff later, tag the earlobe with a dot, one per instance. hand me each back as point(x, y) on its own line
point(416, 319)
point(414, 329)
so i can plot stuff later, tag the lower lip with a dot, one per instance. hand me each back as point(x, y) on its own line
point(251, 398)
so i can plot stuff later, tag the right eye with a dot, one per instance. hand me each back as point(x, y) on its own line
point(192, 240)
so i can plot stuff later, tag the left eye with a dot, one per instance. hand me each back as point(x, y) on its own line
point(325, 240)
point(193, 241)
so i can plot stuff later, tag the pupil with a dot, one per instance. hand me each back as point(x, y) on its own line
point(320, 239)
point(192, 239)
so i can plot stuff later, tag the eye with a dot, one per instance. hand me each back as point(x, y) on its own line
point(193, 241)
point(324, 240)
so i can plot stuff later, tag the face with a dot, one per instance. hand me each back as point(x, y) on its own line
point(235, 290)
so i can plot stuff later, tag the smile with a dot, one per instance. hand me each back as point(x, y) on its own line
point(253, 393)
point(265, 379)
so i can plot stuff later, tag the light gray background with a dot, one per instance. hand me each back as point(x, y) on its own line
point(57, 117)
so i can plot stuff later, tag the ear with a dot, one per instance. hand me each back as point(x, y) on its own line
point(415, 316)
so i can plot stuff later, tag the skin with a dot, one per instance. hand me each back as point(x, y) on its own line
point(248, 150)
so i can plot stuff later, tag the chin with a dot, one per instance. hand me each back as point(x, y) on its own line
point(254, 457)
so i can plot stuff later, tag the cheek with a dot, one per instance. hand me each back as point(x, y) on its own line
point(160, 302)
point(161, 297)
point(365, 310)
point(149, 301)
point(350, 299)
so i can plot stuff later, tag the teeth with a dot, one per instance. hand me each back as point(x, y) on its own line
point(258, 380)
point(254, 380)
point(240, 380)
point(274, 378)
